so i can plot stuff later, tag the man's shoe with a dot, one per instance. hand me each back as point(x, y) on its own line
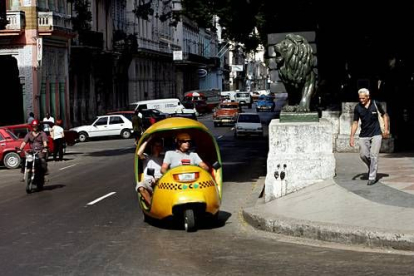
point(371, 182)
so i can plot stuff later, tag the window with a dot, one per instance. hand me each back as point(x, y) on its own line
point(1, 138)
point(115, 120)
point(249, 119)
point(21, 132)
point(11, 134)
point(101, 121)
point(142, 106)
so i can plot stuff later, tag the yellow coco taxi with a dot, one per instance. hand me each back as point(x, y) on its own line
point(187, 193)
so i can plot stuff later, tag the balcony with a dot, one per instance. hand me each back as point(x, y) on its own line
point(16, 23)
point(49, 22)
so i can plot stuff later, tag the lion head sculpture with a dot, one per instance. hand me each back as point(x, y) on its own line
point(295, 61)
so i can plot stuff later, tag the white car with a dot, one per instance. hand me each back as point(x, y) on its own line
point(107, 125)
point(248, 124)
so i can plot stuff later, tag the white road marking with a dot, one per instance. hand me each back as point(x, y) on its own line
point(99, 199)
point(67, 167)
point(221, 136)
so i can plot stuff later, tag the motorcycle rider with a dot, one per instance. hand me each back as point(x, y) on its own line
point(38, 142)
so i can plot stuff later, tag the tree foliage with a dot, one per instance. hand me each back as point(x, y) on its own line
point(238, 18)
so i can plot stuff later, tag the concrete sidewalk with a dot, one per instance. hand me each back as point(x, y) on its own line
point(345, 209)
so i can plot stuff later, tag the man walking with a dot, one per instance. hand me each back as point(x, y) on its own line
point(137, 126)
point(370, 137)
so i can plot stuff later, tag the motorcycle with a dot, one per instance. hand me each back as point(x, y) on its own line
point(34, 174)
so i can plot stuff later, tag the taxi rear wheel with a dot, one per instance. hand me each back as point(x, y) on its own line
point(189, 220)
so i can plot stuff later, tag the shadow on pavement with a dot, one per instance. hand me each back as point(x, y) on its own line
point(204, 223)
point(53, 187)
point(364, 176)
point(115, 152)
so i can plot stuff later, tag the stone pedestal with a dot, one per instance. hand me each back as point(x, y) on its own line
point(333, 118)
point(300, 154)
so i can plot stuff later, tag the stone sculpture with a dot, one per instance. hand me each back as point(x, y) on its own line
point(295, 62)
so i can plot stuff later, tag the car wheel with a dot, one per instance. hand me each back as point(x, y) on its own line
point(12, 160)
point(215, 124)
point(126, 134)
point(189, 220)
point(83, 136)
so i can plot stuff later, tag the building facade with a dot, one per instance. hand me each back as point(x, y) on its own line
point(77, 59)
point(34, 49)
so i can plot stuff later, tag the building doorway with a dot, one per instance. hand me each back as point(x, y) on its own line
point(11, 111)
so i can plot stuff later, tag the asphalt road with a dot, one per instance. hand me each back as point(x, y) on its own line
point(56, 232)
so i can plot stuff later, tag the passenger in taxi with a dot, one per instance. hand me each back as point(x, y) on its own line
point(182, 155)
point(152, 161)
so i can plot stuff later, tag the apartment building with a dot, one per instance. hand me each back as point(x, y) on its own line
point(34, 48)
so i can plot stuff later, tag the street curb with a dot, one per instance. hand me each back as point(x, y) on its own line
point(338, 233)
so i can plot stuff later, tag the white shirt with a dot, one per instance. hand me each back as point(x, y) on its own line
point(46, 126)
point(155, 163)
point(58, 132)
point(50, 119)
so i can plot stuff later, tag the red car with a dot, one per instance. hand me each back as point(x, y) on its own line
point(71, 137)
point(8, 154)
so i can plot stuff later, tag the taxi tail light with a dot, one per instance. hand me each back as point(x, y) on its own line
point(186, 177)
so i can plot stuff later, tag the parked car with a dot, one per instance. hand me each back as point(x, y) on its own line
point(103, 126)
point(71, 137)
point(20, 130)
point(147, 114)
point(248, 124)
point(265, 103)
point(226, 113)
point(9, 156)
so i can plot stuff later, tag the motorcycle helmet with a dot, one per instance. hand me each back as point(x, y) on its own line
point(35, 123)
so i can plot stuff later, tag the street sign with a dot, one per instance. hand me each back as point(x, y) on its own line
point(202, 73)
point(177, 55)
point(237, 68)
point(39, 49)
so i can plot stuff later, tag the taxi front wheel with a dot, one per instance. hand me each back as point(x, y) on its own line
point(189, 220)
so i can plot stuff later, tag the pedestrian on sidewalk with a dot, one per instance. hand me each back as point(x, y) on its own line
point(137, 126)
point(57, 134)
point(31, 118)
point(370, 137)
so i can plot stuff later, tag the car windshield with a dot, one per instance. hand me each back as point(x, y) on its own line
point(242, 95)
point(11, 134)
point(246, 118)
point(233, 106)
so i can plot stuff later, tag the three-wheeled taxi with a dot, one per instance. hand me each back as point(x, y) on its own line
point(186, 193)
